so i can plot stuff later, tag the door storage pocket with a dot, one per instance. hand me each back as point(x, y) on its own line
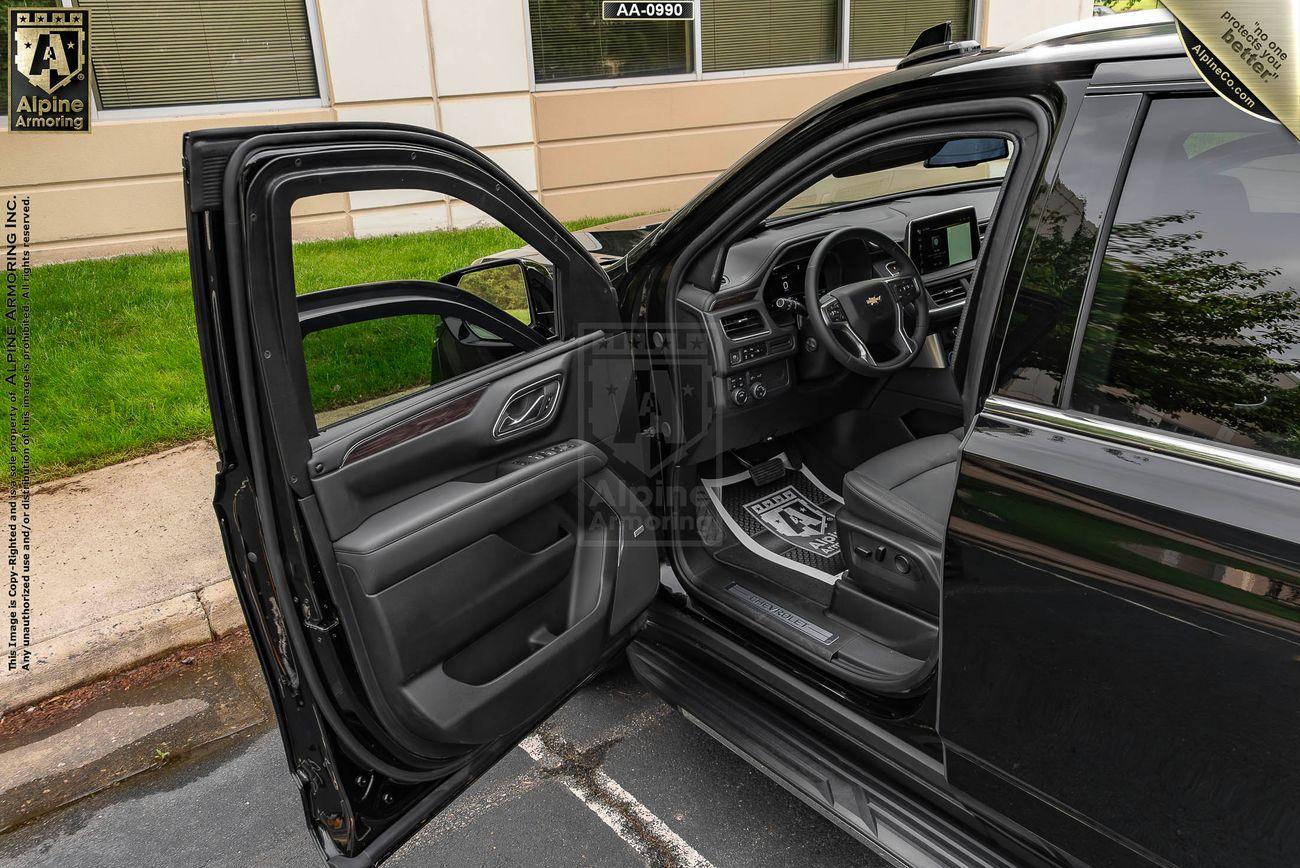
point(514, 640)
point(431, 614)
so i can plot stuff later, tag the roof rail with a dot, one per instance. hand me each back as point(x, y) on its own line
point(935, 43)
point(1099, 27)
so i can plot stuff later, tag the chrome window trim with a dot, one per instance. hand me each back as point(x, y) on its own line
point(1202, 451)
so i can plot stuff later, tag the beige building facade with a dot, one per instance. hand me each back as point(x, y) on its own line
point(585, 144)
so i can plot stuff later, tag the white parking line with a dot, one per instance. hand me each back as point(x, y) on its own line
point(632, 821)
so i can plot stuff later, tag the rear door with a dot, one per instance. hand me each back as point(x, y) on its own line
point(433, 549)
point(1121, 616)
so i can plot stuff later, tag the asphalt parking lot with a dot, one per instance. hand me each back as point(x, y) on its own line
point(615, 778)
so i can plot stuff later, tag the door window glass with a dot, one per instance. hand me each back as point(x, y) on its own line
point(357, 366)
point(1195, 323)
point(1040, 308)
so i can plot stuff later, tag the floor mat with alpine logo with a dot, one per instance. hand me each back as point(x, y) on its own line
point(789, 522)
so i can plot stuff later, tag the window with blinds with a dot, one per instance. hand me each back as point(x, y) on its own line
point(757, 34)
point(193, 52)
point(887, 28)
point(571, 42)
point(6, 46)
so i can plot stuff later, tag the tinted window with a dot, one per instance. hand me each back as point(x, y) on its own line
point(1195, 324)
point(1042, 314)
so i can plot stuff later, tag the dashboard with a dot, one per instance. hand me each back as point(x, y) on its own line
point(752, 322)
point(944, 245)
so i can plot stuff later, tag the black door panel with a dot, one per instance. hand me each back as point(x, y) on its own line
point(449, 440)
point(391, 545)
point(478, 568)
point(1107, 618)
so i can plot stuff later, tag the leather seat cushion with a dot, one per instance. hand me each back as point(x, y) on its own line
point(909, 488)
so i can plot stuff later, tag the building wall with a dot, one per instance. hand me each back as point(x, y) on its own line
point(651, 147)
point(1008, 20)
point(458, 67)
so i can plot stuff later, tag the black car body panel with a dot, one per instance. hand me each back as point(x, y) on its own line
point(1094, 646)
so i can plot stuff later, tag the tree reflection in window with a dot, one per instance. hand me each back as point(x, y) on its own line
point(1195, 323)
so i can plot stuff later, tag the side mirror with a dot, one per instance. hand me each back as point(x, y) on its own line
point(502, 283)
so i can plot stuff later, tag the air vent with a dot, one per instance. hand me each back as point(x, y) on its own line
point(947, 293)
point(745, 324)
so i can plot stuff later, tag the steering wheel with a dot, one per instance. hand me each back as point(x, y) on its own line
point(858, 320)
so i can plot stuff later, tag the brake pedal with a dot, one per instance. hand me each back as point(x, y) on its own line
point(767, 472)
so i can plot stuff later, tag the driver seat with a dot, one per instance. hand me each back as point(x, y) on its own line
point(894, 518)
point(907, 489)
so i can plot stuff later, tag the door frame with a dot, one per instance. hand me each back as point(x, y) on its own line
point(240, 185)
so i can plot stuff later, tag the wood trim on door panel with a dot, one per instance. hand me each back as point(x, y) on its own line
point(421, 423)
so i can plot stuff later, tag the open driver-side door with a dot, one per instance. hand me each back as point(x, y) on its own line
point(427, 580)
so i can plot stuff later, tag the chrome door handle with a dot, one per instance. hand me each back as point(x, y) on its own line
point(529, 407)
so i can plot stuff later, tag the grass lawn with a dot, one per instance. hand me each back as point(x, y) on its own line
point(115, 360)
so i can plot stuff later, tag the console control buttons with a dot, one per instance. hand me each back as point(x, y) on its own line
point(740, 397)
point(747, 354)
point(543, 454)
point(760, 391)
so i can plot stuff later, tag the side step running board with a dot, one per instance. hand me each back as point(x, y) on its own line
point(889, 821)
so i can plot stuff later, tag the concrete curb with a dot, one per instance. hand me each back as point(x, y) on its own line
point(84, 740)
point(127, 640)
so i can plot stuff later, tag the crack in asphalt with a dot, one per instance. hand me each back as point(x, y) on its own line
point(581, 770)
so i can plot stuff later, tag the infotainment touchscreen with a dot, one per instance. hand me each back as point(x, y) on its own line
point(944, 240)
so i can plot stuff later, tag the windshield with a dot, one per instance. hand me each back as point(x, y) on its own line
point(883, 176)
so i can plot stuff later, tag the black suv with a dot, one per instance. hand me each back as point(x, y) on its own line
point(940, 458)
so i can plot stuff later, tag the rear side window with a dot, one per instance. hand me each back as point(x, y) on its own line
point(1195, 320)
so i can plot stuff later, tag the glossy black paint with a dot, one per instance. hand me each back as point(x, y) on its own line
point(1041, 303)
point(1119, 674)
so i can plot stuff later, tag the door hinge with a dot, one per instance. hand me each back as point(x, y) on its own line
point(320, 623)
point(322, 626)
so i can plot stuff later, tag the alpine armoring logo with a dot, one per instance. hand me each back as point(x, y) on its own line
point(49, 70)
